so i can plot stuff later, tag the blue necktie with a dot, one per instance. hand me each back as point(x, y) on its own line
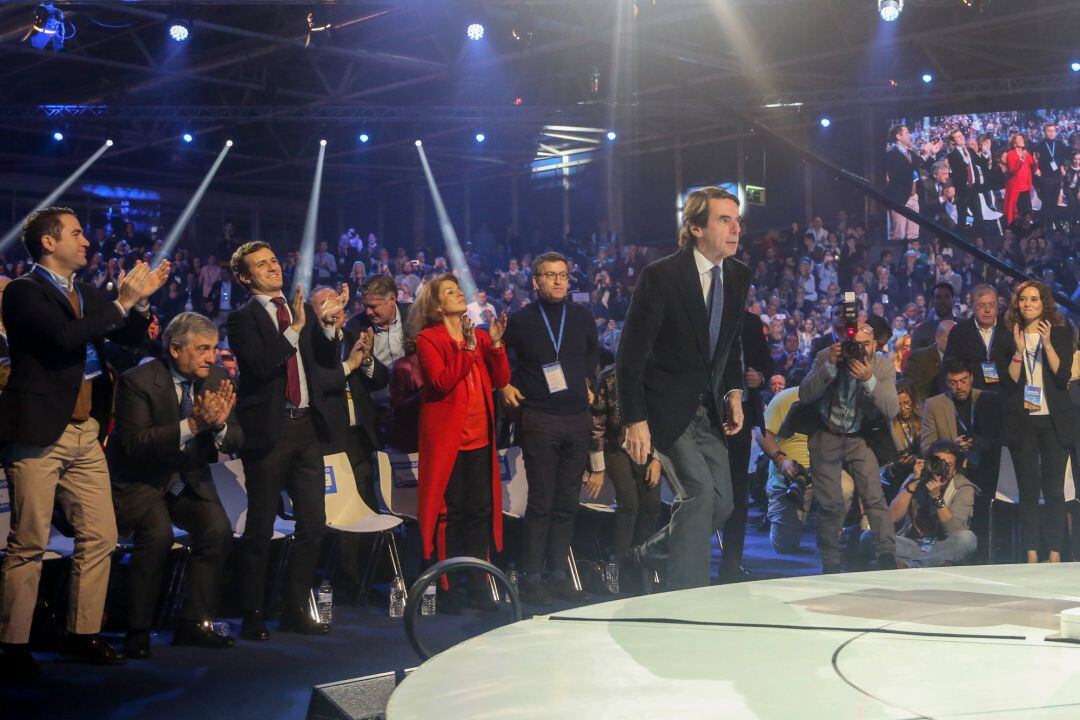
point(186, 405)
point(716, 308)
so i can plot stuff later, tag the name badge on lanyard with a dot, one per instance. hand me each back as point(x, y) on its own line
point(1032, 393)
point(553, 372)
point(1053, 163)
point(93, 363)
point(989, 369)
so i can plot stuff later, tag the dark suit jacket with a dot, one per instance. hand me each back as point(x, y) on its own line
point(923, 369)
point(958, 170)
point(755, 355)
point(144, 451)
point(1061, 154)
point(932, 203)
point(1056, 387)
point(900, 174)
point(261, 355)
point(333, 382)
point(966, 343)
point(663, 367)
point(48, 355)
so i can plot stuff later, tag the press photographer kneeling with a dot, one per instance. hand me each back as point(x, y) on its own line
point(932, 511)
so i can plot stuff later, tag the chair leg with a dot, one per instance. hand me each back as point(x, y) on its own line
point(369, 570)
point(395, 559)
point(173, 592)
point(572, 562)
point(990, 533)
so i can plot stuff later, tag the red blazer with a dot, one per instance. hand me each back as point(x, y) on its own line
point(443, 404)
point(1020, 171)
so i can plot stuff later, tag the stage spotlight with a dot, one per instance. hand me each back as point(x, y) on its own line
point(364, 137)
point(228, 143)
point(825, 122)
point(611, 135)
point(1075, 67)
point(108, 143)
point(480, 137)
point(58, 136)
point(475, 31)
point(890, 9)
point(927, 78)
point(323, 142)
point(179, 30)
point(418, 143)
point(187, 137)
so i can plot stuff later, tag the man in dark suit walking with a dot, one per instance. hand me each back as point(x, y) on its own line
point(53, 414)
point(278, 347)
point(172, 418)
point(680, 373)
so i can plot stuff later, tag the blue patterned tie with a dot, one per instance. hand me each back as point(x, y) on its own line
point(186, 405)
point(716, 308)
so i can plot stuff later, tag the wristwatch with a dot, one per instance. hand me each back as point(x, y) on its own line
point(939, 502)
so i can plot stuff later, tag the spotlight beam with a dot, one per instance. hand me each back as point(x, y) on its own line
point(181, 223)
point(51, 198)
point(305, 262)
point(450, 238)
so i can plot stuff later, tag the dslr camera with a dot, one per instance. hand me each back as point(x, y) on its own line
point(850, 348)
point(795, 495)
point(933, 467)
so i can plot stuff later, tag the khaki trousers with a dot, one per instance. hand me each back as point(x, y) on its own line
point(74, 471)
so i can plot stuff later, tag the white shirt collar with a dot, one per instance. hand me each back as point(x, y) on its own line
point(704, 265)
point(65, 282)
point(266, 300)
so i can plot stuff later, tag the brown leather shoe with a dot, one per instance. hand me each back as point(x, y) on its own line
point(91, 649)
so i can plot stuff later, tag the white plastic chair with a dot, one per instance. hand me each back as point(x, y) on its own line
point(1008, 492)
point(347, 512)
point(398, 481)
point(515, 486)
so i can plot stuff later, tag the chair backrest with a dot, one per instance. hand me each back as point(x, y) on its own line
point(398, 481)
point(1008, 490)
point(515, 485)
point(229, 480)
point(5, 509)
point(343, 502)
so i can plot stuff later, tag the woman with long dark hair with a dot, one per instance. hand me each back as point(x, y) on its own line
point(460, 492)
point(1039, 415)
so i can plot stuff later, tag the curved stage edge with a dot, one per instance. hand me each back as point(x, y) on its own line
point(956, 642)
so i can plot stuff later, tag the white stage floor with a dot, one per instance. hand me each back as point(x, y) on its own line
point(980, 645)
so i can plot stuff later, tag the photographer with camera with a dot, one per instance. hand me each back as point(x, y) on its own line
point(789, 487)
point(852, 389)
point(932, 511)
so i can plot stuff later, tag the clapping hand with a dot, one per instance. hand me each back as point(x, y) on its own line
point(141, 283)
point(497, 328)
point(299, 312)
point(468, 331)
point(1043, 328)
point(333, 306)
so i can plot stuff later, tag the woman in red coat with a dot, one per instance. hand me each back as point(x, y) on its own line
point(1019, 166)
point(460, 491)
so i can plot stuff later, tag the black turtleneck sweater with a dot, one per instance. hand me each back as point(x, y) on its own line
point(530, 344)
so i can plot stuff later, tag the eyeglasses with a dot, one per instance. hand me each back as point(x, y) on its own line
point(549, 276)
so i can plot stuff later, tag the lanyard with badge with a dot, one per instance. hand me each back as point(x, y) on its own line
point(1052, 149)
point(92, 368)
point(1032, 393)
point(989, 369)
point(553, 372)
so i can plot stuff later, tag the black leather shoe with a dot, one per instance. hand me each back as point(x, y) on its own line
point(637, 564)
point(91, 649)
point(534, 592)
point(17, 664)
point(297, 620)
point(200, 634)
point(254, 626)
point(563, 589)
point(137, 644)
point(831, 569)
point(480, 599)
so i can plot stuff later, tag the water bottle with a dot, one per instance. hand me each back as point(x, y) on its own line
point(427, 607)
point(324, 602)
point(397, 598)
point(611, 577)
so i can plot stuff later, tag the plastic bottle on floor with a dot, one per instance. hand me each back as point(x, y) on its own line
point(324, 602)
point(427, 607)
point(397, 598)
point(611, 577)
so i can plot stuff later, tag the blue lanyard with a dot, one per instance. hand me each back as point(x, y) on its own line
point(45, 274)
point(991, 343)
point(562, 326)
point(1034, 358)
point(1052, 149)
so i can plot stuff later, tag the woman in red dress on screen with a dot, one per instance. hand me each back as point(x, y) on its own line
point(460, 491)
point(1019, 166)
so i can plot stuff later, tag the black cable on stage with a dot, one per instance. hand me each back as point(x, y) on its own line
point(825, 628)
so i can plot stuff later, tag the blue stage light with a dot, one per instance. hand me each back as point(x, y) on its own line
point(480, 137)
point(890, 9)
point(187, 137)
point(611, 135)
point(825, 122)
point(475, 31)
point(927, 78)
point(1075, 67)
point(179, 30)
point(58, 136)
point(364, 137)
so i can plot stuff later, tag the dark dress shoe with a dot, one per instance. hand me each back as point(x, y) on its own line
point(254, 627)
point(563, 589)
point(17, 664)
point(480, 599)
point(137, 644)
point(534, 592)
point(636, 564)
point(297, 620)
point(91, 649)
point(200, 634)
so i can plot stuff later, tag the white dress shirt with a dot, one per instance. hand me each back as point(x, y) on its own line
point(293, 338)
point(987, 335)
point(704, 268)
point(69, 283)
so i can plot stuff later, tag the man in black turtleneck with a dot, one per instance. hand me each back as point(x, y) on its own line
point(555, 350)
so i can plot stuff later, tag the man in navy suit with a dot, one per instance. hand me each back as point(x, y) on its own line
point(680, 376)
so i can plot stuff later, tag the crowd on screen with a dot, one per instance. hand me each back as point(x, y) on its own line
point(387, 347)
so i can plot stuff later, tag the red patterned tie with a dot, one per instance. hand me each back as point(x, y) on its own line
point(292, 367)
